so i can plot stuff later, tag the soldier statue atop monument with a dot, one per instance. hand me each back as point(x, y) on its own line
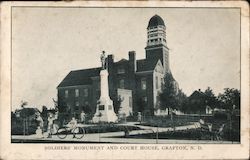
point(103, 60)
point(105, 108)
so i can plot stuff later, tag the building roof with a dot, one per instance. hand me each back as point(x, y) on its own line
point(155, 21)
point(196, 94)
point(80, 77)
point(144, 65)
point(122, 60)
point(83, 77)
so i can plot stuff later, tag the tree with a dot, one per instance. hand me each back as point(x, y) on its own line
point(62, 106)
point(55, 104)
point(141, 103)
point(44, 112)
point(168, 96)
point(182, 101)
point(210, 98)
point(117, 101)
point(230, 99)
point(87, 109)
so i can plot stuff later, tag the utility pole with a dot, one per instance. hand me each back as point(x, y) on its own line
point(157, 136)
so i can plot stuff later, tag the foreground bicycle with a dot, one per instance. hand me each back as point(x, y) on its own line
point(78, 132)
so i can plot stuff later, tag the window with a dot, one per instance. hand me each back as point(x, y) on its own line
point(77, 104)
point(76, 92)
point(121, 70)
point(121, 84)
point(156, 82)
point(66, 93)
point(145, 99)
point(85, 92)
point(130, 102)
point(68, 109)
point(143, 84)
point(86, 103)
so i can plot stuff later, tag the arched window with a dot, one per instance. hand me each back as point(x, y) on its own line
point(66, 93)
point(156, 82)
point(76, 92)
point(143, 84)
point(85, 92)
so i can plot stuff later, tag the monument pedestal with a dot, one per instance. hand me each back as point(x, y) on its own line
point(104, 110)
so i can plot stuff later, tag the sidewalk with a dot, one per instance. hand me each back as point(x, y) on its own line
point(110, 137)
point(95, 138)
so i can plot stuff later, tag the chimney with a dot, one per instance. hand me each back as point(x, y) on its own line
point(110, 59)
point(132, 60)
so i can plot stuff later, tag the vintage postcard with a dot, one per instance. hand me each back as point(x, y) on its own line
point(125, 80)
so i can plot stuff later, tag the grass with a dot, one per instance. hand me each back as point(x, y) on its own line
point(189, 134)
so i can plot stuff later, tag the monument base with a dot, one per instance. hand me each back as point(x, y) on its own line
point(105, 111)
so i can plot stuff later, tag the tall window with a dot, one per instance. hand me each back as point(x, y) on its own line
point(76, 92)
point(85, 92)
point(156, 82)
point(143, 84)
point(162, 83)
point(121, 83)
point(66, 93)
point(130, 102)
point(77, 104)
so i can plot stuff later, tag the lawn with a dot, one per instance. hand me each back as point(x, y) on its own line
point(189, 134)
point(166, 121)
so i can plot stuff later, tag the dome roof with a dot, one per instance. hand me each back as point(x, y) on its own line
point(155, 21)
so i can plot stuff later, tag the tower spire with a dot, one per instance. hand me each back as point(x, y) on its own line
point(156, 48)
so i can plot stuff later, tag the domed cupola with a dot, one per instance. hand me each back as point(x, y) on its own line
point(156, 31)
point(155, 21)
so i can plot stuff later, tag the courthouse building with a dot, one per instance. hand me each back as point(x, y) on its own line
point(136, 82)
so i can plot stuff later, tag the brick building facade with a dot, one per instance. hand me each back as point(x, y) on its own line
point(137, 82)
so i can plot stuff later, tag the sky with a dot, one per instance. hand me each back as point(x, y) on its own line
point(47, 43)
